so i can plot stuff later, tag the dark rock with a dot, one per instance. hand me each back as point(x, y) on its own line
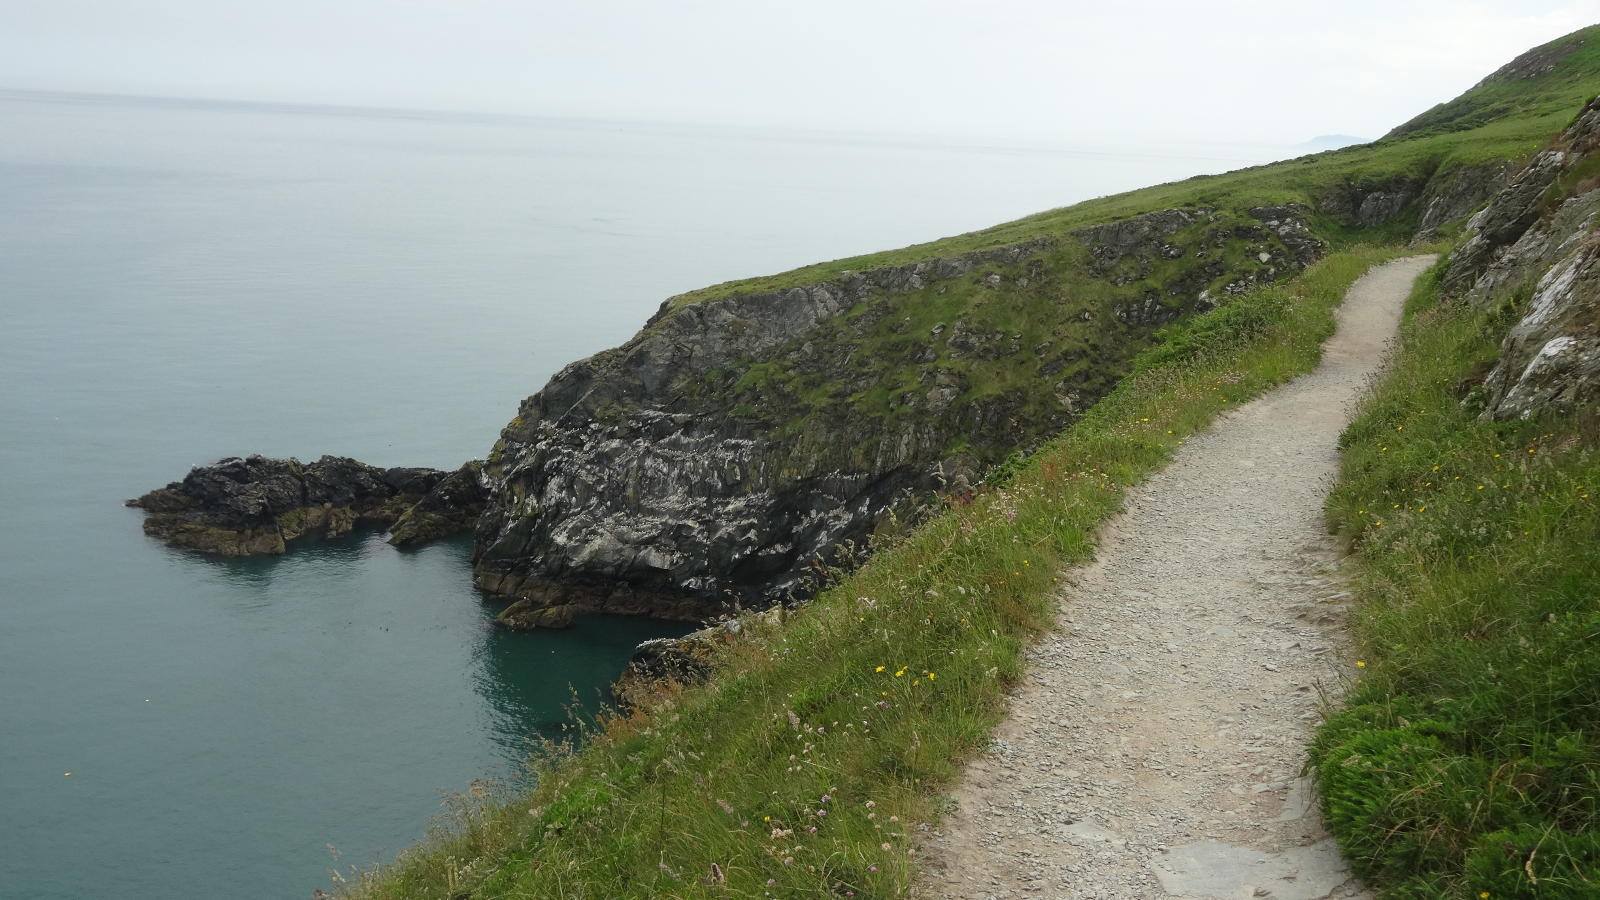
point(614, 492)
point(1145, 234)
point(256, 505)
point(1460, 192)
point(1550, 359)
point(1367, 203)
point(1505, 219)
point(688, 659)
point(451, 506)
point(1540, 253)
point(725, 453)
point(528, 615)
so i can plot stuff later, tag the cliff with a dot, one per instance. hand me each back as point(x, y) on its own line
point(733, 442)
point(1536, 250)
point(752, 432)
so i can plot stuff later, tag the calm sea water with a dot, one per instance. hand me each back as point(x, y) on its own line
point(180, 282)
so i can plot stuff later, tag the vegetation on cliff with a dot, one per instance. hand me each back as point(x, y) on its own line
point(1467, 763)
point(804, 765)
point(1468, 760)
point(754, 427)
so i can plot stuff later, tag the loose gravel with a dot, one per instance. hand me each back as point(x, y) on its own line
point(1155, 747)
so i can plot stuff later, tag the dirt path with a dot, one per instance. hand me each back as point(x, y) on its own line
point(1155, 747)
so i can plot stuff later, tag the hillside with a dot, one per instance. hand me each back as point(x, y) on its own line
point(753, 428)
point(753, 425)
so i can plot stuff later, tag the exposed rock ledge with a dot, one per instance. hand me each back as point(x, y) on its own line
point(1532, 243)
point(255, 506)
point(712, 459)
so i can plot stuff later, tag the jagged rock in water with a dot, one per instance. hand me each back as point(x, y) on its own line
point(451, 507)
point(254, 506)
point(736, 441)
point(687, 659)
point(528, 615)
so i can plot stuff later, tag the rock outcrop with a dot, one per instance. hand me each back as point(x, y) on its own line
point(1537, 247)
point(451, 507)
point(1504, 220)
point(687, 659)
point(255, 506)
point(1369, 203)
point(736, 441)
point(1458, 193)
point(1550, 359)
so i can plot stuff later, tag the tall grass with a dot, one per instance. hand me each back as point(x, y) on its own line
point(806, 764)
point(1467, 763)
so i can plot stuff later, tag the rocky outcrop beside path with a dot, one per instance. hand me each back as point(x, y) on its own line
point(1537, 247)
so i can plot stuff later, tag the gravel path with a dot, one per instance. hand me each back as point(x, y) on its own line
point(1155, 747)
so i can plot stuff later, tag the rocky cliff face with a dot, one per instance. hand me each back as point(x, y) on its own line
point(1537, 246)
point(733, 442)
point(255, 506)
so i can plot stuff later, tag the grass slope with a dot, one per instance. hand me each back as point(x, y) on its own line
point(1502, 119)
point(1467, 763)
point(801, 769)
point(1548, 81)
point(1468, 756)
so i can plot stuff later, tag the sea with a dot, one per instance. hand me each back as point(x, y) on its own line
point(186, 280)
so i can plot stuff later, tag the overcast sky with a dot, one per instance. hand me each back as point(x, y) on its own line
point(1279, 72)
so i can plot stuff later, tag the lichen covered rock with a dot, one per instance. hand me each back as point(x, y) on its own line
point(1550, 359)
point(1536, 248)
point(734, 442)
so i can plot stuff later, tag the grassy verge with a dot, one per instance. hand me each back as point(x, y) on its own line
point(803, 766)
point(1467, 763)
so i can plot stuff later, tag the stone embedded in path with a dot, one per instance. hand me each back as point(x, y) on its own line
point(1209, 869)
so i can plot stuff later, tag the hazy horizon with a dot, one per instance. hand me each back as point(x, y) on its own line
point(1014, 71)
point(1089, 144)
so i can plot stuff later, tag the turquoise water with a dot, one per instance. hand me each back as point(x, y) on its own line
point(180, 282)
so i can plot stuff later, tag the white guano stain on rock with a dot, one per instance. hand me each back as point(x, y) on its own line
point(1155, 746)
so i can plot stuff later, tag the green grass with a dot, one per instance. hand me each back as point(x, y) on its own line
point(1504, 120)
point(1034, 350)
point(1551, 95)
point(1467, 762)
point(804, 765)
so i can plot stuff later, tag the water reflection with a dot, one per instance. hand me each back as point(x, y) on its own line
point(535, 683)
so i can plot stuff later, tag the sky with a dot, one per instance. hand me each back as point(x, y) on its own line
point(1278, 72)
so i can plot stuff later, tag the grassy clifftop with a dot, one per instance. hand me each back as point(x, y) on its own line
point(1506, 117)
point(1542, 85)
point(803, 766)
